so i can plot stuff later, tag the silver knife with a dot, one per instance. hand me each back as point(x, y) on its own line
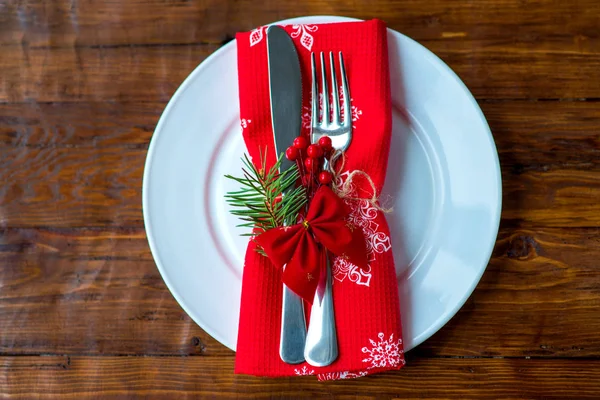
point(285, 85)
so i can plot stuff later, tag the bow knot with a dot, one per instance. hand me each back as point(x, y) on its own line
point(302, 250)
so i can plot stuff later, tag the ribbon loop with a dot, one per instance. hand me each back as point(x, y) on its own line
point(300, 250)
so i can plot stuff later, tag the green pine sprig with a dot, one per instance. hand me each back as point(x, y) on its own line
point(266, 199)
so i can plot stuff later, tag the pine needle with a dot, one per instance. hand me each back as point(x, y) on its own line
point(266, 199)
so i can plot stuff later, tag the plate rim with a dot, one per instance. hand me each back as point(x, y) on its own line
point(435, 327)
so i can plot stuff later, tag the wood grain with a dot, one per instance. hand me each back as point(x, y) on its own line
point(75, 125)
point(151, 22)
point(538, 286)
point(80, 377)
point(100, 187)
point(84, 312)
point(68, 174)
point(62, 187)
point(96, 74)
point(491, 69)
point(564, 134)
point(89, 291)
point(102, 294)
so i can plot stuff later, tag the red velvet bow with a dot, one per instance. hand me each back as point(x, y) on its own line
point(300, 247)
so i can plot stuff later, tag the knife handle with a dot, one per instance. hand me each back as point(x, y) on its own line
point(293, 328)
point(321, 340)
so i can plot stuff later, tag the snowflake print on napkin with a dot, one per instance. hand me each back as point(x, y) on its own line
point(331, 376)
point(304, 371)
point(362, 214)
point(300, 31)
point(384, 353)
point(244, 123)
point(304, 31)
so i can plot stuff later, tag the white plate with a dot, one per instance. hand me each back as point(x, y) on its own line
point(443, 175)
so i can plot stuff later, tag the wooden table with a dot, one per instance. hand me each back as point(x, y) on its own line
point(84, 312)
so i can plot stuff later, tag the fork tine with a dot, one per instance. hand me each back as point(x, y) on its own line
point(314, 101)
point(345, 93)
point(335, 119)
point(325, 90)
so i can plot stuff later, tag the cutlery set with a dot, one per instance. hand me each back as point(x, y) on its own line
point(317, 345)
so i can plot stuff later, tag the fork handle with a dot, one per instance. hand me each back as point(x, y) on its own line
point(293, 328)
point(321, 340)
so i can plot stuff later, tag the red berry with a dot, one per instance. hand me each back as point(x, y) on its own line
point(325, 177)
point(311, 164)
point(292, 153)
point(314, 151)
point(325, 143)
point(301, 143)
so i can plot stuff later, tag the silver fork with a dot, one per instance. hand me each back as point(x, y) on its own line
point(321, 347)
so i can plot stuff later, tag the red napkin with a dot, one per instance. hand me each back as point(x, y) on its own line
point(366, 301)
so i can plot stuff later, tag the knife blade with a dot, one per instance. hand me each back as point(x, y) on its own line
point(285, 89)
